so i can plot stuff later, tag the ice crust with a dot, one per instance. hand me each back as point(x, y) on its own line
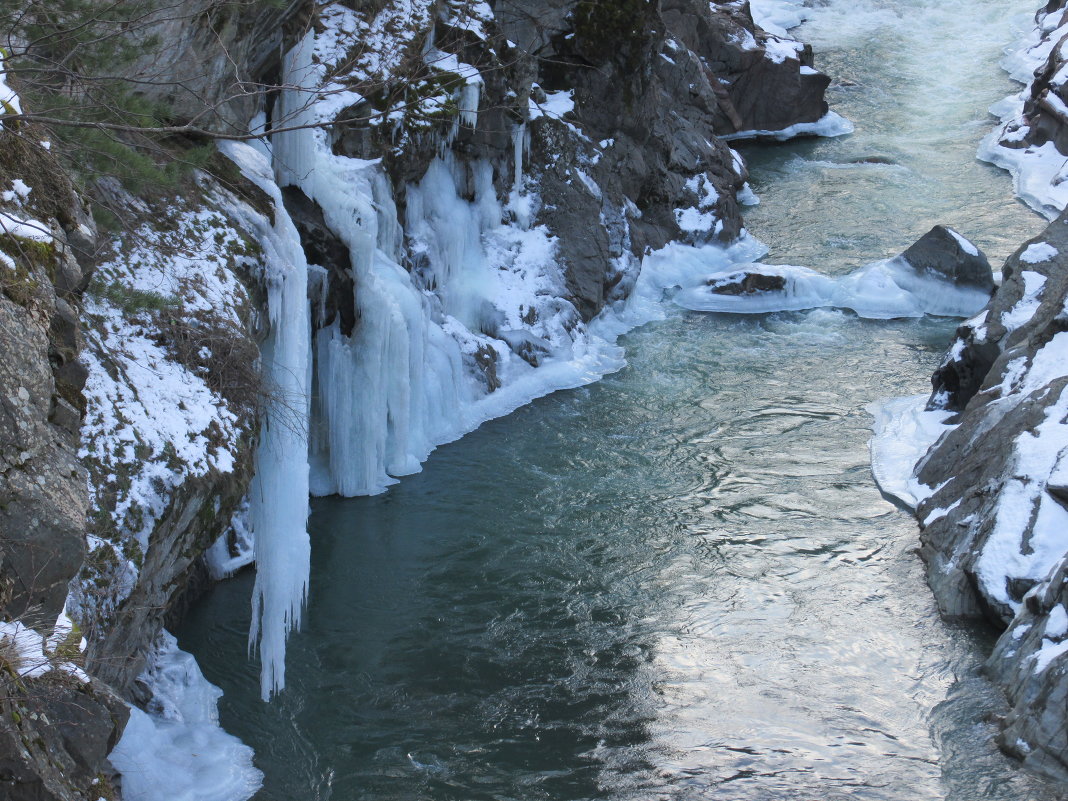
point(882, 290)
point(779, 16)
point(179, 752)
point(903, 432)
point(830, 124)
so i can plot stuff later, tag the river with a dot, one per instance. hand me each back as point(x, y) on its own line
point(680, 582)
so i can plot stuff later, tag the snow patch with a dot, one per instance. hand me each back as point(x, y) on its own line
point(904, 432)
point(1039, 252)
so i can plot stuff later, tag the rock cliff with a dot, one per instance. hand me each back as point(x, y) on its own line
point(993, 528)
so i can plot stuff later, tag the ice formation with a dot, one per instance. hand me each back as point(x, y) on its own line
point(830, 124)
point(177, 751)
point(903, 432)
point(882, 290)
point(278, 498)
point(461, 304)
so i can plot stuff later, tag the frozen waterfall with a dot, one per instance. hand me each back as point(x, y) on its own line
point(278, 498)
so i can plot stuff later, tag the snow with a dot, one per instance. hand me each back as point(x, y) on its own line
point(9, 100)
point(27, 652)
point(702, 218)
point(1056, 622)
point(965, 245)
point(145, 410)
point(1048, 652)
point(177, 751)
point(1026, 306)
point(779, 16)
point(903, 433)
point(24, 228)
point(830, 124)
point(1024, 510)
point(938, 514)
point(556, 105)
point(1039, 252)
point(470, 16)
point(882, 290)
point(779, 50)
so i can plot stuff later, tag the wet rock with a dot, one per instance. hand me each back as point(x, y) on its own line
point(946, 254)
point(747, 284)
point(325, 249)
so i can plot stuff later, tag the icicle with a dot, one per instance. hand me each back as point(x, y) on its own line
point(470, 96)
point(519, 204)
point(519, 136)
point(278, 499)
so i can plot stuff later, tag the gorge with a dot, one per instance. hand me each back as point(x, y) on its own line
point(675, 579)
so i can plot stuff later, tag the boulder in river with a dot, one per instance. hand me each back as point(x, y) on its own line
point(746, 283)
point(948, 255)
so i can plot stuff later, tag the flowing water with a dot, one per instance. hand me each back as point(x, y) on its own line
point(680, 582)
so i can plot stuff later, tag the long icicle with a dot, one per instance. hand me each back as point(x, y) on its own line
point(278, 502)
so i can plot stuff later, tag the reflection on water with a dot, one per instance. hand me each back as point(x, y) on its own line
point(680, 583)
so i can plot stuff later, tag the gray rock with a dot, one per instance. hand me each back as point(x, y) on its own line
point(744, 283)
point(55, 735)
point(1034, 731)
point(975, 467)
point(944, 253)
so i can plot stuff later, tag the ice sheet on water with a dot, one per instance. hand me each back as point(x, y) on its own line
point(903, 432)
point(882, 290)
point(830, 124)
point(177, 751)
point(779, 16)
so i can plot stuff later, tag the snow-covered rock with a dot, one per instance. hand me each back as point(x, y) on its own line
point(995, 527)
point(1032, 140)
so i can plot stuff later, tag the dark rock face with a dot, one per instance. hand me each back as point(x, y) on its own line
point(325, 249)
point(1036, 682)
point(944, 253)
point(990, 532)
point(651, 84)
point(55, 738)
point(747, 284)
